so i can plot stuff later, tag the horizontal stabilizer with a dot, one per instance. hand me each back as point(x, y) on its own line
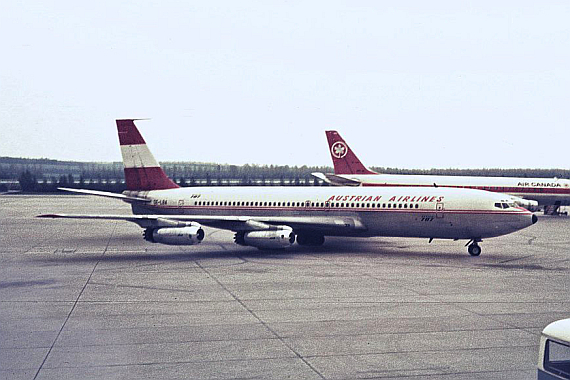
point(336, 180)
point(106, 194)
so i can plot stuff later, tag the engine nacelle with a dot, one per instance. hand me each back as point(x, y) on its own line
point(529, 204)
point(267, 239)
point(175, 235)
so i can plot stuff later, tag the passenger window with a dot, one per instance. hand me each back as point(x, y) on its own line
point(405, 205)
point(389, 205)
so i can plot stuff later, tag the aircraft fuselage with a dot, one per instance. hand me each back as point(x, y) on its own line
point(399, 212)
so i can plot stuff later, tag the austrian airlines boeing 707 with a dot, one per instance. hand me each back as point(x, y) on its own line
point(527, 192)
point(274, 217)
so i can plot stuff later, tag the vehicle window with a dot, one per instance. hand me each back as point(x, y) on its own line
point(505, 205)
point(498, 205)
point(557, 359)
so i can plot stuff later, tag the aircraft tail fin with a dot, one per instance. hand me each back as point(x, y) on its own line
point(344, 159)
point(142, 171)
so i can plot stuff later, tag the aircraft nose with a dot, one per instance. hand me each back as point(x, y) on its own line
point(534, 219)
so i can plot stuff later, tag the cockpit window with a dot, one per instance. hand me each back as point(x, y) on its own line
point(557, 359)
point(505, 205)
point(498, 205)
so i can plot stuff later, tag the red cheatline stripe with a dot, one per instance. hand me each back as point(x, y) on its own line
point(128, 133)
point(403, 210)
point(494, 189)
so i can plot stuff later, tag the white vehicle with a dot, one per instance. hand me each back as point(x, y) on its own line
point(527, 192)
point(554, 354)
point(274, 217)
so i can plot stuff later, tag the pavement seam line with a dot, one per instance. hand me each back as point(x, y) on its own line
point(76, 302)
point(263, 323)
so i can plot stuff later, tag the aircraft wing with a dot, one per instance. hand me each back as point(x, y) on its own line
point(338, 224)
point(336, 180)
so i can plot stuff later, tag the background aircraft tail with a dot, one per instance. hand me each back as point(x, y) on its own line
point(142, 172)
point(344, 160)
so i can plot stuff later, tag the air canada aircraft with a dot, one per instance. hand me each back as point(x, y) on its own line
point(530, 193)
point(276, 217)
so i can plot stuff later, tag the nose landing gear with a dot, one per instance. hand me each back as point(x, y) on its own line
point(473, 249)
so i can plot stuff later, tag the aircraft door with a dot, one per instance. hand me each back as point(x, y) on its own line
point(439, 210)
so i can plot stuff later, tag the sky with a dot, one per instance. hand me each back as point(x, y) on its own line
point(408, 84)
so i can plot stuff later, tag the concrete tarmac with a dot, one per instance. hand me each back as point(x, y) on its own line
point(92, 300)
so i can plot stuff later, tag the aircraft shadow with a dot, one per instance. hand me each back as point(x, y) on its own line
point(354, 247)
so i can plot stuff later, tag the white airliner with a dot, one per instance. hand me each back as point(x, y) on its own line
point(527, 192)
point(274, 217)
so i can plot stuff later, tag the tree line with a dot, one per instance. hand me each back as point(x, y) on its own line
point(44, 175)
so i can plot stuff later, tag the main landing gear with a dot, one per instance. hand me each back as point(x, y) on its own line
point(310, 239)
point(473, 249)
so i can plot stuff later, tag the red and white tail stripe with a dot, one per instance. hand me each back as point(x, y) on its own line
point(344, 160)
point(142, 172)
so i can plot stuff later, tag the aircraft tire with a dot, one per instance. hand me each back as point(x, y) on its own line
point(474, 250)
point(312, 240)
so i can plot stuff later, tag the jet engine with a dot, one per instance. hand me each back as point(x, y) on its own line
point(175, 235)
point(529, 204)
point(267, 239)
